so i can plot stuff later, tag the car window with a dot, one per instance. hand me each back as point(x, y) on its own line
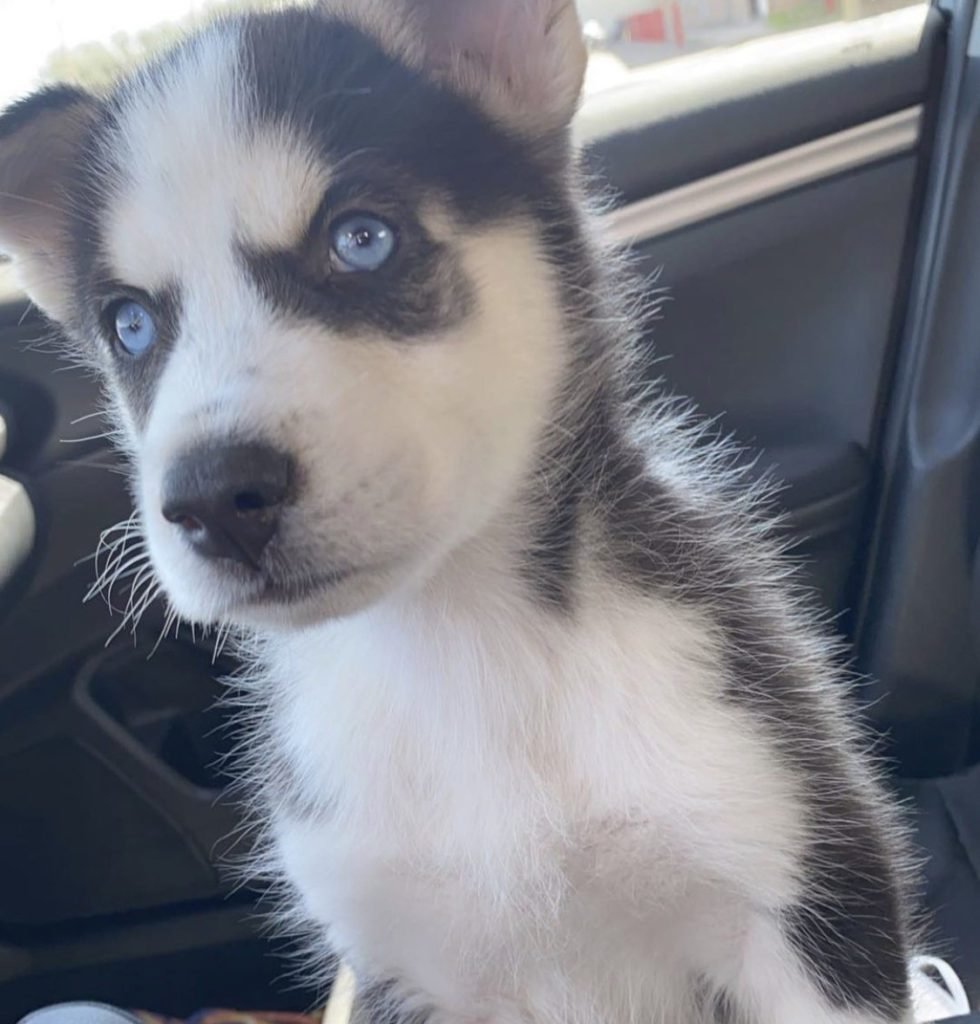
point(630, 38)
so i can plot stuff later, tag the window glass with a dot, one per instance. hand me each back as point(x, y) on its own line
point(628, 38)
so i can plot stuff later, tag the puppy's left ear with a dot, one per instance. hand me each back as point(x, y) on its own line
point(523, 60)
point(40, 142)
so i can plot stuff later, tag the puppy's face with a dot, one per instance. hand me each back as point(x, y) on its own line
point(313, 255)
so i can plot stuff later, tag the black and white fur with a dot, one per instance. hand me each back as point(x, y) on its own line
point(543, 734)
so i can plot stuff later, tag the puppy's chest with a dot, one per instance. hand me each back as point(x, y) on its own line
point(426, 762)
point(517, 780)
point(423, 821)
point(445, 729)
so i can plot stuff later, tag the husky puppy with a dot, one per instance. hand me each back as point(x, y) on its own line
point(542, 734)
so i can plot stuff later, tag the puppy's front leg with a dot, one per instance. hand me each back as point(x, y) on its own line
point(773, 984)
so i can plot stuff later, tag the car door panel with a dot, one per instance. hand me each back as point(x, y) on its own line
point(918, 612)
point(780, 323)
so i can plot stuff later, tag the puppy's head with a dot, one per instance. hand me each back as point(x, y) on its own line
point(313, 254)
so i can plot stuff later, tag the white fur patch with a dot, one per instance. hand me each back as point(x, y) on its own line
point(194, 180)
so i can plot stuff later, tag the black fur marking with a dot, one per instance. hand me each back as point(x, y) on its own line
point(849, 926)
point(94, 284)
point(136, 376)
point(845, 927)
point(87, 204)
point(338, 88)
point(418, 292)
point(23, 113)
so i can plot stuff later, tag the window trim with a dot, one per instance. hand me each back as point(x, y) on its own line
point(769, 176)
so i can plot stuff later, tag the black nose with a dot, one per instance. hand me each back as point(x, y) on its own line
point(227, 499)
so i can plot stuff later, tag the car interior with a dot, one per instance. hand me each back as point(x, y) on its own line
point(804, 210)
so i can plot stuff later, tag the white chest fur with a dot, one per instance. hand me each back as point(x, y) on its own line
point(508, 802)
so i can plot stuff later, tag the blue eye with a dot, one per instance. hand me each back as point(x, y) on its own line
point(134, 327)
point(361, 242)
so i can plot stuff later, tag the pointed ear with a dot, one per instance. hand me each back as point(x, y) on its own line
point(40, 140)
point(522, 60)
